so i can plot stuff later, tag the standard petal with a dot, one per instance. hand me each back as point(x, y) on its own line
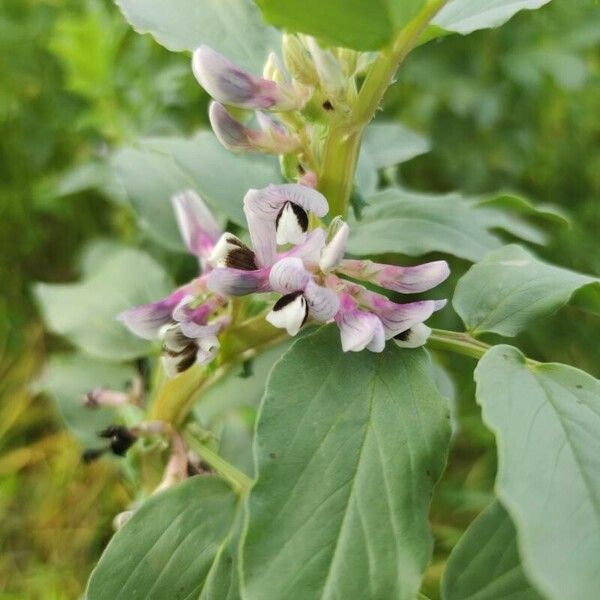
point(146, 320)
point(414, 337)
point(288, 275)
point(199, 229)
point(236, 282)
point(407, 280)
point(336, 248)
point(323, 303)
point(308, 198)
point(229, 131)
point(289, 312)
point(395, 317)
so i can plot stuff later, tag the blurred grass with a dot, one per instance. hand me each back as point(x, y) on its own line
point(511, 108)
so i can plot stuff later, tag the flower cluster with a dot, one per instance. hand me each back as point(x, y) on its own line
point(313, 278)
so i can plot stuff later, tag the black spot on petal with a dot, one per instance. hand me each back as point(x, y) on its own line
point(241, 258)
point(403, 335)
point(285, 300)
point(327, 105)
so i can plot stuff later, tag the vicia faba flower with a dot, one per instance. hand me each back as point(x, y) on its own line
point(187, 321)
point(310, 275)
point(270, 138)
point(228, 84)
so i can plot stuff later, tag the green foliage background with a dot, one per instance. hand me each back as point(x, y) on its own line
point(513, 108)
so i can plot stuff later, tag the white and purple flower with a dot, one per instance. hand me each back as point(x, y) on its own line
point(188, 320)
point(310, 274)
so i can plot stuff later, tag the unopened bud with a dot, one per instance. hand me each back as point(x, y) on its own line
point(298, 60)
point(332, 78)
point(273, 69)
point(348, 60)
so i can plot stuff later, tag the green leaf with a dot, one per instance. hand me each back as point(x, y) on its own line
point(234, 28)
point(524, 206)
point(546, 419)
point(358, 24)
point(389, 144)
point(511, 288)
point(485, 565)
point(348, 448)
point(411, 223)
point(68, 377)
point(465, 16)
point(86, 312)
point(167, 548)
point(160, 167)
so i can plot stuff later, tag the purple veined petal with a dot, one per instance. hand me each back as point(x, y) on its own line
point(185, 312)
point(310, 249)
point(359, 329)
point(414, 337)
point(229, 131)
point(195, 331)
point(267, 202)
point(199, 229)
point(289, 312)
point(407, 280)
point(323, 303)
point(146, 320)
point(334, 251)
point(395, 317)
point(229, 84)
point(237, 282)
point(288, 275)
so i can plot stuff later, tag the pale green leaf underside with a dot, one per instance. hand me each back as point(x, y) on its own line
point(68, 377)
point(233, 27)
point(348, 448)
point(465, 16)
point(390, 144)
point(510, 288)
point(160, 167)
point(358, 24)
point(546, 419)
point(167, 549)
point(86, 312)
point(485, 565)
point(412, 223)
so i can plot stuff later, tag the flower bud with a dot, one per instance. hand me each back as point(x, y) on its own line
point(273, 70)
point(332, 78)
point(298, 61)
point(272, 138)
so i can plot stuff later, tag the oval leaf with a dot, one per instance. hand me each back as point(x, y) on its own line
point(167, 548)
point(546, 419)
point(485, 564)
point(348, 448)
point(465, 16)
point(234, 28)
point(358, 24)
point(86, 312)
point(510, 288)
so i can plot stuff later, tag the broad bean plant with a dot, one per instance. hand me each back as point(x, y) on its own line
point(277, 412)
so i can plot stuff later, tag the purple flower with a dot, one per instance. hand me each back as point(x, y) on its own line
point(188, 320)
point(270, 138)
point(228, 84)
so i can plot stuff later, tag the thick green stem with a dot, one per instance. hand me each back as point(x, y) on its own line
point(238, 480)
point(458, 342)
point(336, 176)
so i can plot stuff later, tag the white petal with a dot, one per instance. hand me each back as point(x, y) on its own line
point(290, 316)
point(359, 330)
point(334, 251)
point(197, 225)
point(323, 303)
point(173, 338)
point(288, 275)
point(414, 337)
point(291, 227)
point(208, 347)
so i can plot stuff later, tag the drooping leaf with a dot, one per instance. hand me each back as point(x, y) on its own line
point(85, 312)
point(348, 448)
point(485, 564)
point(546, 418)
point(465, 16)
point(159, 167)
point(389, 144)
point(358, 24)
point(520, 204)
point(234, 28)
point(168, 547)
point(68, 377)
point(511, 288)
point(414, 224)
